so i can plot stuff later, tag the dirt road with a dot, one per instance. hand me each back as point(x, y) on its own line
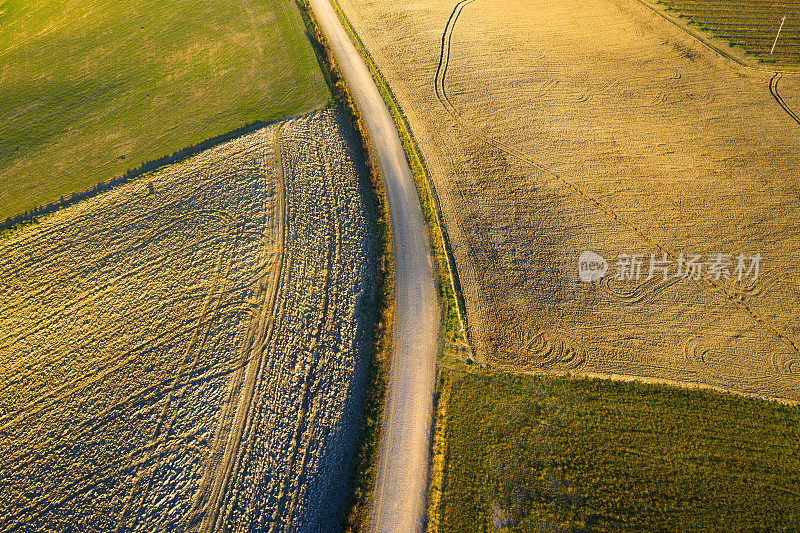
point(399, 502)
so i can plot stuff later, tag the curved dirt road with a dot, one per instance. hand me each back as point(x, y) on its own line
point(401, 486)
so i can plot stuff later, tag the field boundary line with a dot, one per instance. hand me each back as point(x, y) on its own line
point(14, 221)
point(441, 94)
point(502, 369)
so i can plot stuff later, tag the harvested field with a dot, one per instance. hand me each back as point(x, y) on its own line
point(551, 128)
point(189, 350)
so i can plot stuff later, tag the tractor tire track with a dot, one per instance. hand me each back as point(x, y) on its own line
point(88, 266)
point(97, 292)
point(285, 418)
point(148, 398)
point(195, 347)
point(114, 420)
point(101, 373)
point(85, 483)
point(773, 89)
point(258, 336)
point(234, 406)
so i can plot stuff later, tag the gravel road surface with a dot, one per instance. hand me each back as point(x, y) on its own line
point(399, 502)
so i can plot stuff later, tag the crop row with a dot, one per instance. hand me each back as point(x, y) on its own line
point(754, 27)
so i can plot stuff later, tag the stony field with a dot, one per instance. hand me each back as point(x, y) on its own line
point(188, 351)
point(555, 127)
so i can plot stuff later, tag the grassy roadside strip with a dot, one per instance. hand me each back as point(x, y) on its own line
point(454, 325)
point(448, 371)
point(444, 387)
point(364, 468)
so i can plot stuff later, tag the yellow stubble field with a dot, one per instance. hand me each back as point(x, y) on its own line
point(552, 128)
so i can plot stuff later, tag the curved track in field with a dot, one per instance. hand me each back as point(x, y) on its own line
point(227, 442)
point(208, 377)
point(773, 89)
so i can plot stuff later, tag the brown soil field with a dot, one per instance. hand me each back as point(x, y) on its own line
point(189, 351)
point(554, 127)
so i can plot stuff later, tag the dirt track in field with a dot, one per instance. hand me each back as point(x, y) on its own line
point(773, 89)
point(551, 128)
point(192, 356)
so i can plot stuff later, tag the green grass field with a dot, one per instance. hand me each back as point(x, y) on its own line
point(529, 453)
point(92, 88)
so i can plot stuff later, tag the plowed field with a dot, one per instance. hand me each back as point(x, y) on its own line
point(188, 351)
